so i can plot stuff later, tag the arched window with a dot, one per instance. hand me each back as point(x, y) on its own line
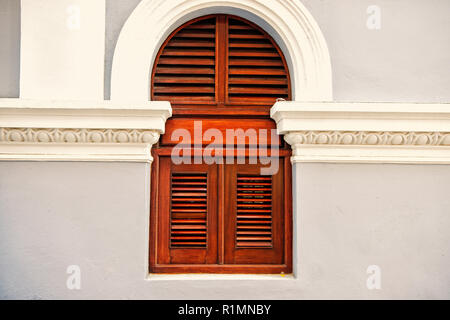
point(220, 60)
point(221, 180)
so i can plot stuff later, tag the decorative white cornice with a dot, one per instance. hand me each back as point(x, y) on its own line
point(365, 132)
point(80, 131)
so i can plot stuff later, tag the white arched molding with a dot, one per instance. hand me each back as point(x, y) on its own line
point(288, 22)
point(42, 130)
point(365, 132)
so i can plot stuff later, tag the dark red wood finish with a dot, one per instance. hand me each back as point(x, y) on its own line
point(225, 72)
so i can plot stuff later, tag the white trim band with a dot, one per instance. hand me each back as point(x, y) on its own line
point(36, 130)
point(365, 132)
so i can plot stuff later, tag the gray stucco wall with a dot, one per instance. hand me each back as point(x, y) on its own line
point(95, 215)
point(407, 60)
point(9, 48)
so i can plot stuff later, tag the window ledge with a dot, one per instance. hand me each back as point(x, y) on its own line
point(219, 277)
point(365, 132)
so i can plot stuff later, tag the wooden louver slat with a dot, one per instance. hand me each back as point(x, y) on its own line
point(186, 66)
point(254, 211)
point(188, 224)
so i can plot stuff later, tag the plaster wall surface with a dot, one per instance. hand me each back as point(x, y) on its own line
point(9, 48)
point(95, 215)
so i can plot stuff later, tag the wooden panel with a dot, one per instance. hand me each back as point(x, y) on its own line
point(254, 211)
point(187, 214)
point(222, 125)
point(189, 203)
point(185, 69)
point(253, 232)
point(254, 216)
point(256, 70)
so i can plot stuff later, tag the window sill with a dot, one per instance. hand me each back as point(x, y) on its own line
point(216, 277)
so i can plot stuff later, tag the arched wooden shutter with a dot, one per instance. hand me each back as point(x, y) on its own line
point(224, 73)
point(256, 68)
point(220, 60)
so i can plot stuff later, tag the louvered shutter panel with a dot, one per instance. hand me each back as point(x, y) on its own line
point(189, 204)
point(256, 71)
point(254, 211)
point(187, 219)
point(186, 67)
point(254, 215)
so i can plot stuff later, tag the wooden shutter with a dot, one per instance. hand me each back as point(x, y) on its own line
point(220, 60)
point(256, 67)
point(188, 213)
point(254, 211)
point(186, 66)
point(227, 73)
point(254, 215)
point(189, 208)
